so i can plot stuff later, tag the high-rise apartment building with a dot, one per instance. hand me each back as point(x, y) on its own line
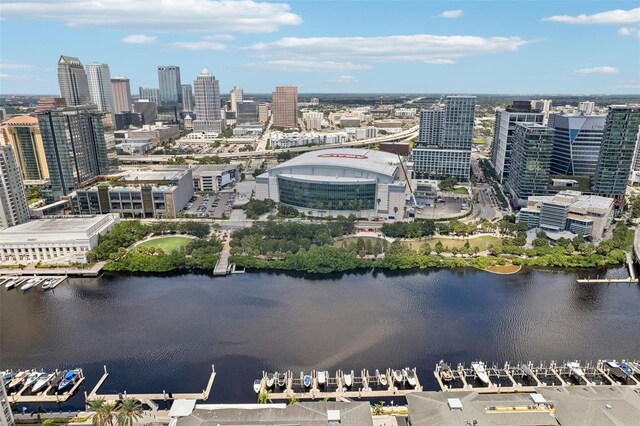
point(284, 106)
point(23, 135)
point(72, 78)
point(586, 107)
point(616, 154)
point(236, 96)
point(170, 85)
point(121, 95)
point(446, 138)
point(75, 147)
point(544, 106)
point(13, 201)
point(529, 174)
point(187, 97)
point(100, 88)
point(149, 94)
point(207, 98)
point(576, 143)
point(6, 414)
point(506, 121)
point(263, 112)
point(313, 120)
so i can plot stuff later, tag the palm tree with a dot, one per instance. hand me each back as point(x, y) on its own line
point(38, 412)
point(104, 412)
point(395, 211)
point(129, 411)
point(293, 400)
point(264, 397)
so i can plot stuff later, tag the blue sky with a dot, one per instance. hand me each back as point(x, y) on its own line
point(516, 47)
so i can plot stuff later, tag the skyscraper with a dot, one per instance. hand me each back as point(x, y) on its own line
point(13, 201)
point(187, 97)
point(207, 109)
point(263, 112)
point(74, 87)
point(616, 153)
point(576, 143)
point(284, 106)
point(23, 135)
point(148, 109)
point(236, 96)
point(529, 174)
point(170, 86)
point(121, 95)
point(446, 138)
point(149, 94)
point(246, 112)
point(506, 121)
point(75, 147)
point(100, 88)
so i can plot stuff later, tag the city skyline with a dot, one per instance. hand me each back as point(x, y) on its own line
point(419, 47)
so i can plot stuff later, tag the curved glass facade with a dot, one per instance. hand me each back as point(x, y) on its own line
point(327, 195)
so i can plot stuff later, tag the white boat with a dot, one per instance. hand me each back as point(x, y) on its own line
point(270, 380)
point(481, 372)
point(11, 283)
point(576, 369)
point(411, 377)
point(17, 379)
point(47, 284)
point(306, 381)
point(282, 379)
point(42, 382)
point(445, 371)
point(526, 370)
point(382, 378)
point(365, 383)
point(322, 377)
point(257, 384)
point(32, 378)
point(397, 376)
point(348, 380)
point(635, 366)
point(31, 282)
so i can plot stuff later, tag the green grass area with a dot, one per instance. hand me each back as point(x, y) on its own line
point(167, 244)
point(461, 191)
point(628, 239)
point(481, 242)
point(479, 141)
point(351, 240)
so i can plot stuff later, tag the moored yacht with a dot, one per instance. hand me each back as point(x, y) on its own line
point(576, 369)
point(32, 378)
point(348, 380)
point(282, 379)
point(397, 376)
point(481, 372)
point(382, 378)
point(257, 384)
point(68, 380)
point(42, 382)
point(445, 371)
point(322, 377)
point(270, 380)
point(306, 381)
point(411, 377)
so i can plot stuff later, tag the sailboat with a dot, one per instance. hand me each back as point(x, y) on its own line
point(445, 371)
point(481, 372)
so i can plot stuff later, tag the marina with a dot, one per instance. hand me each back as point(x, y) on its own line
point(26, 283)
point(38, 386)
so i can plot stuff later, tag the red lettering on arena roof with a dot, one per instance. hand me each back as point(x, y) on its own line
point(354, 156)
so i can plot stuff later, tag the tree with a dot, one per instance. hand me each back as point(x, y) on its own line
point(129, 411)
point(38, 412)
point(264, 397)
point(447, 184)
point(378, 409)
point(439, 247)
point(104, 412)
point(293, 400)
point(395, 211)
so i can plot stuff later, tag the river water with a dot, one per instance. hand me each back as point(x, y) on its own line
point(163, 333)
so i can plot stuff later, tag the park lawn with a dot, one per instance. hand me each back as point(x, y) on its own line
point(460, 191)
point(482, 242)
point(167, 244)
point(352, 240)
point(628, 239)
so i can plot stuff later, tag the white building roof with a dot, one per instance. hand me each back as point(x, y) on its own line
point(51, 230)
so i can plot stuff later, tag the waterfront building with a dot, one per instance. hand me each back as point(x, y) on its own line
point(338, 182)
point(214, 177)
point(148, 109)
point(529, 174)
point(100, 88)
point(586, 107)
point(75, 147)
point(65, 239)
point(23, 135)
point(13, 201)
point(445, 140)
point(284, 104)
point(236, 96)
point(121, 95)
point(576, 143)
point(589, 215)
point(48, 102)
point(72, 79)
point(279, 139)
point(246, 112)
point(170, 87)
point(506, 121)
point(313, 120)
point(616, 154)
point(207, 103)
point(6, 414)
point(263, 112)
point(187, 97)
point(150, 94)
point(159, 193)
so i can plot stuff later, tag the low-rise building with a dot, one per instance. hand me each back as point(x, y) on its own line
point(56, 239)
point(405, 112)
point(214, 177)
point(571, 211)
point(248, 129)
point(158, 133)
point(366, 133)
point(290, 140)
point(139, 146)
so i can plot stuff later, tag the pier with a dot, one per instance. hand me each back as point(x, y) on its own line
point(144, 397)
point(40, 279)
point(222, 267)
point(31, 269)
point(22, 396)
point(632, 275)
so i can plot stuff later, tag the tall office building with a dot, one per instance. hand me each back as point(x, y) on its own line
point(75, 147)
point(187, 97)
point(72, 78)
point(13, 201)
point(100, 89)
point(246, 112)
point(616, 154)
point(149, 94)
point(23, 135)
point(506, 121)
point(284, 106)
point(586, 107)
point(6, 415)
point(170, 85)
point(121, 95)
point(236, 96)
point(263, 112)
point(446, 138)
point(148, 109)
point(529, 174)
point(576, 143)
point(207, 109)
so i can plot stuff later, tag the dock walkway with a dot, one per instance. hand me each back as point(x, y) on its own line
point(222, 265)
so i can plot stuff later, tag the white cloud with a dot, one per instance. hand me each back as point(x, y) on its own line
point(597, 70)
point(451, 14)
point(139, 39)
point(629, 84)
point(245, 16)
point(198, 45)
point(219, 37)
point(438, 61)
point(8, 65)
point(617, 17)
point(5, 76)
point(343, 79)
point(629, 31)
point(359, 52)
point(303, 65)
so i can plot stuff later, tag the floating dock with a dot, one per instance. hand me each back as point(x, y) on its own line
point(23, 395)
point(164, 396)
point(363, 385)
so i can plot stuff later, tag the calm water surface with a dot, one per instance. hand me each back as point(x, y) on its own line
point(163, 333)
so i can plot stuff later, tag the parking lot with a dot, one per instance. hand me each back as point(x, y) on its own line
point(211, 205)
